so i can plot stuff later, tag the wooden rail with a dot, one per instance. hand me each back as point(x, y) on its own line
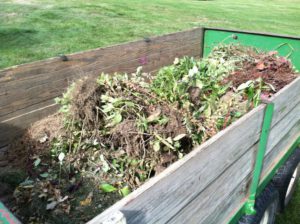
point(27, 91)
point(285, 124)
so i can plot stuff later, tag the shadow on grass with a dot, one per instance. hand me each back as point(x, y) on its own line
point(291, 214)
point(17, 37)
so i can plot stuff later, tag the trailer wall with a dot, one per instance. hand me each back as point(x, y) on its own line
point(27, 91)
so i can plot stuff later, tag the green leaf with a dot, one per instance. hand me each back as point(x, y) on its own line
point(156, 146)
point(117, 118)
point(199, 84)
point(107, 188)
point(129, 104)
point(238, 114)
point(208, 111)
point(245, 85)
point(37, 162)
point(44, 175)
point(107, 108)
point(125, 191)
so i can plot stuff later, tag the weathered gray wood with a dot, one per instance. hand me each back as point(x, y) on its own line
point(283, 126)
point(116, 218)
point(217, 200)
point(163, 196)
point(286, 99)
point(280, 149)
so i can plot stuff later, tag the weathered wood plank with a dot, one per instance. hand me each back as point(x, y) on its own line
point(282, 127)
point(217, 200)
point(31, 92)
point(280, 149)
point(286, 99)
point(121, 52)
point(163, 196)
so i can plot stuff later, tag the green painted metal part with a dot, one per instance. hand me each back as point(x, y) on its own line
point(286, 46)
point(249, 209)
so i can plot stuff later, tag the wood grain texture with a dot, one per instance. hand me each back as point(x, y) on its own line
point(218, 199)
point(280, 149)
point(285, 100)
point(159, 199)
point(27, 88)
point(282, 127)
point(52, 85)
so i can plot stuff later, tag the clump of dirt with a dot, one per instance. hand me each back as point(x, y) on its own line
point(174, 126)
point(85, 103)
point(274, 70)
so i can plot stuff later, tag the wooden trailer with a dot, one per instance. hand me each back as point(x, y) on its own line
point(219, 180)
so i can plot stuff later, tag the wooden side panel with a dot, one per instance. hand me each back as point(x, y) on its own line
point(285, 100)
point(280, 149)
point(31, 84)
point(218, 200)
point(285, 123)
point(27, 88)
point(282, 127)
point(207, 167)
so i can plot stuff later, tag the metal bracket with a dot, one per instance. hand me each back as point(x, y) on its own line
point(249, 207)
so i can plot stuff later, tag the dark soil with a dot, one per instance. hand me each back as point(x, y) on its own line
point(274, 70)
point(35, 141)
point(85, 103)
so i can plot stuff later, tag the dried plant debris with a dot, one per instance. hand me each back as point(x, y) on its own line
point(114, 133)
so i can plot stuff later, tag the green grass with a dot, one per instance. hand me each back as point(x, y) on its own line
point(37, 29)
point(292, 212)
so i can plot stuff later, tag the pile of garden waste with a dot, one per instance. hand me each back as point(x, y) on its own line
point(111, 134)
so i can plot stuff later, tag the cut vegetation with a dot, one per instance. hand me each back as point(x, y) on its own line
point(114, 133)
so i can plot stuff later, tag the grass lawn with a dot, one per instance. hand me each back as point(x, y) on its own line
point(37, 29)
point(292, 213)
